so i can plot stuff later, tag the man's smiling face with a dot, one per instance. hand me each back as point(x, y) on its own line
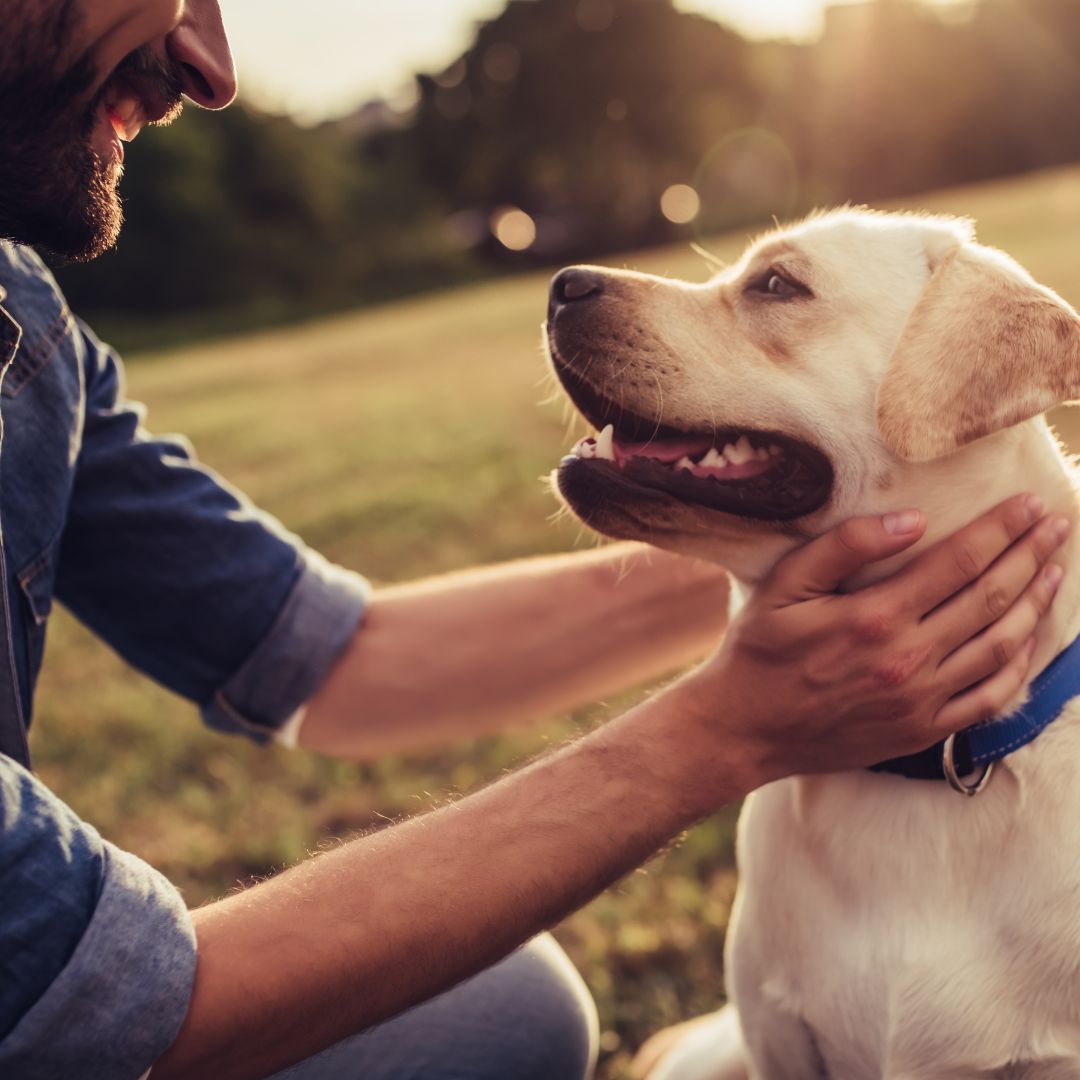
point(78, 78)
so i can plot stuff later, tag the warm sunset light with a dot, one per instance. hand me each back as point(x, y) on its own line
point(458, 291)
point(323, 59)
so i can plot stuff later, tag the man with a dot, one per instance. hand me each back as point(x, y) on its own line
point(105, 974)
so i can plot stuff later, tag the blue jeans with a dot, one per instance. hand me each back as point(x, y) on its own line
point(527, 1018)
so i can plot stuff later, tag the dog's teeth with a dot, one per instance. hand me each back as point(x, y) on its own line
point(605, 443)
point(684, 463)
point(714, 459)
point(740, 453)
point(585, 449)
point(761, 454)
point(775, 451)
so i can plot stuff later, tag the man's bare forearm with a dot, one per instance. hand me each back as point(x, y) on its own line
point(472, 653)
point(352, 937)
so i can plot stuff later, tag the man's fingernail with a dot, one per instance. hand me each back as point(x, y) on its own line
point(1033, 507)
point(1062, 526)
point(907, 521)
point(1053, 575)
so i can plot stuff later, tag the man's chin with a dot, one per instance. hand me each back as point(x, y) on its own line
point(95, 231)
point(95, 241)
point(89, 224)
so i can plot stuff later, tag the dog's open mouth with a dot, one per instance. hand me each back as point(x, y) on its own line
point(765, 475)
point(752, 474)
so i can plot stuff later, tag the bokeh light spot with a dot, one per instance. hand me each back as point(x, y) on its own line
point(680, 204)
point(749, 175)
point(513, 228)
point(617, 110)
point(455, 103)
point(502, 62)
point(595, 16)
point(452, 76)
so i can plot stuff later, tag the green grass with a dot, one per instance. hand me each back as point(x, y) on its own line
point(402, 441)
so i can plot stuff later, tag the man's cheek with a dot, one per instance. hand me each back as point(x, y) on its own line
point(109, 30)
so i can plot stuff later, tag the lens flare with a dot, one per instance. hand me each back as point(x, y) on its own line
point(750, 175)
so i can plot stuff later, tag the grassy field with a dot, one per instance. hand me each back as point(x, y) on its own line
point(403, 441)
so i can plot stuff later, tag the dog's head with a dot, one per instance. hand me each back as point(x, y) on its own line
point(837, 362)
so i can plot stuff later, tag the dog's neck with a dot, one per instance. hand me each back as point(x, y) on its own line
point(954, 491)
point(1025, 458)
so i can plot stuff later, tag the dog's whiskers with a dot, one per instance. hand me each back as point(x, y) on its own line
point(659, 405)
point(711, 260)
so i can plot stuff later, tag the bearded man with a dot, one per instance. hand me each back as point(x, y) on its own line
point(106, 974)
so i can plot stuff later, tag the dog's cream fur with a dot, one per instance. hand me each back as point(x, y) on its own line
point(884, 927)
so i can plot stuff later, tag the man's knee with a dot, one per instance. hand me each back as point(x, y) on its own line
point(553, 1012)
point(527, 1018)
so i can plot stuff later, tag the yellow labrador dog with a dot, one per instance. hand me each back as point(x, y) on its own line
point(859, 363)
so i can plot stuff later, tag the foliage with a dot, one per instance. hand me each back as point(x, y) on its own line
point(404, 441)
point(240, 212)
point(581, 113)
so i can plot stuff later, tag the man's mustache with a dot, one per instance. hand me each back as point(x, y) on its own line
point(150, 74)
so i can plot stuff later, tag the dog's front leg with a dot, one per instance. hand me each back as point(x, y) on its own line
point(783, 1048)
point(778, 1043)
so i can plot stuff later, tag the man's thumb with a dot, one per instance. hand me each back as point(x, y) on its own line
point(822, 565)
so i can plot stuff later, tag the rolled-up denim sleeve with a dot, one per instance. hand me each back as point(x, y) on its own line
point(186, 579)
point(97, 949)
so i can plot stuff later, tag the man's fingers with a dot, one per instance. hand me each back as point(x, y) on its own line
point(974, 608)
point(987, 699)
point(954, 563)
point(1002, 642)
point(821, 566)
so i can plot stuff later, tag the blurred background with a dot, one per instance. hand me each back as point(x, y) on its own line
point(555, 130)
point(336, 287)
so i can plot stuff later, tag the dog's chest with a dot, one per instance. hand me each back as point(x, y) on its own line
point(912, 929)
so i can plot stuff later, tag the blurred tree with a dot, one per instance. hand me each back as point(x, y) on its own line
point(582, 113)
point(238, 212)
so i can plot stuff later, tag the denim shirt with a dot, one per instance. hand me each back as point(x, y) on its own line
point(183, 577)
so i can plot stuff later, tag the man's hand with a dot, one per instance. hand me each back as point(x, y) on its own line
point(810, 680)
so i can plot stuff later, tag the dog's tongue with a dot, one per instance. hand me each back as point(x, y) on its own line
point(665, 450)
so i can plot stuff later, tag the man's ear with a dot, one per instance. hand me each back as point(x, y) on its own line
point(985, 348)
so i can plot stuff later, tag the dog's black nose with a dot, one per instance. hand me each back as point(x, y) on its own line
point(574, 284)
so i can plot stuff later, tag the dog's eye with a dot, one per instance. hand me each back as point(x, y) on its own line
point(773, 283)
point(779, 286)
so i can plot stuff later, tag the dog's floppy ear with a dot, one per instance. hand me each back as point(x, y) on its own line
point(985, 348)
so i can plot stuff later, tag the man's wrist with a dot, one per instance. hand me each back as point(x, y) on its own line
point(698, 759)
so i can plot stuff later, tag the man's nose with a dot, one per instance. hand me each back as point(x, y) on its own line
point(200, 46)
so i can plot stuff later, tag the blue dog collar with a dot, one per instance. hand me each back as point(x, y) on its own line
point(986, 743)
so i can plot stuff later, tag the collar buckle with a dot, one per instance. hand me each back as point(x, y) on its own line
point(958, 783)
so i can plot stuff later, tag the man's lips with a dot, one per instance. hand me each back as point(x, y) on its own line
point(127, 119)
point(126, 111)
point(130, 106)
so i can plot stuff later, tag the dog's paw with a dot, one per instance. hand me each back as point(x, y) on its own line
point(707, 1048)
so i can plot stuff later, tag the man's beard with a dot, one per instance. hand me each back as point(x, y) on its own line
point(56, 191)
